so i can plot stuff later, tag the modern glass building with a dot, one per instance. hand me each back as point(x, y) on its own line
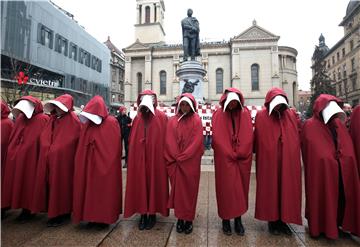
point(42, 45)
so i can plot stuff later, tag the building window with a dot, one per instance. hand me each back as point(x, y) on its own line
point(254, 77)
point(353, 81)
point(339, 73)
point(95, 63)
point(139, 82)
point(61, 44)
point(87, 59)
point(81, 55)
point(84, 57)
point(351, 45)
point(162, 82)
point(333, 60)
point(338, 56)
point(334, 75)
point(353, 64)
point(73, 51)
point(219, 80)
point(340, 89)
point(343, 52)
point(45, 36)
point(147, 14)
point(113, 75)
point(344, 71)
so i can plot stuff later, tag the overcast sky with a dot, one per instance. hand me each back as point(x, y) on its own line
point(299, 23)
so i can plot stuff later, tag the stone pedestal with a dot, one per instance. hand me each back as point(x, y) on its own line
point(191, 76)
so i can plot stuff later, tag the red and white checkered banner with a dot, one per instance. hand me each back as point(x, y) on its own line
point(205, 112)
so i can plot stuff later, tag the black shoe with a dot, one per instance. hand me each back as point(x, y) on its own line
point(188, 227)
point(274, 228)
point(58, 220)
point(239, 228)
point(97, 226)
point(284, 228)
point(3, 213)
point(151, 221)
point(180, 226)
point(226, 227)
point(25, 216)
point(142, 222)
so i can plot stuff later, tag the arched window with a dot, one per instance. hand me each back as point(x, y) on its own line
point(162, 82)
point(139, 82)
point(255, 77)
point(219, 80)
point(147, 14)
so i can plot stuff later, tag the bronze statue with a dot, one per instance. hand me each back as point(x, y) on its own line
point(190, 31)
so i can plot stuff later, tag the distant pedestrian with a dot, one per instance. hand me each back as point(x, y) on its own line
point(147, 188)
point(55, 170)
point(97, 176)
point(278, 164)
point(332, 182)
point(22, 156)
point(125, 125)
point(183, 151)
point(233, 144)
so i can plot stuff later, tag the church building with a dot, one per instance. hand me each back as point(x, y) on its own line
point(251, 61)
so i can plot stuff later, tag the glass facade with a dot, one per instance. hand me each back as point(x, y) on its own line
point(57, 54)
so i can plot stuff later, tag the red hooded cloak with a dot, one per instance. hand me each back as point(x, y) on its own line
point(54, 181)
point(233, 157)
point(147, 188)
point(6, 127)
point(278, 164)
point(183, 150)
point(355, 132)
point(22, 157)
point(98, 174)
point(322, 162)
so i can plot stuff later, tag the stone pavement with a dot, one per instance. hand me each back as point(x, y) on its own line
point(207, 229)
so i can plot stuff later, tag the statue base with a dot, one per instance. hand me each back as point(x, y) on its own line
point(191, 75)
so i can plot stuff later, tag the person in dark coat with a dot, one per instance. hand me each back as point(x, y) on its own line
point(125, 125)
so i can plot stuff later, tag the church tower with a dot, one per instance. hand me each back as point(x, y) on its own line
point(150, 21)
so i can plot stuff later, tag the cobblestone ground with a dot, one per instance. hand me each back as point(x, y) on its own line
point(207, 229)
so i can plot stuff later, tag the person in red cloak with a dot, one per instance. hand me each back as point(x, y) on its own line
point(7, 126)
point(147, 188)
point(232, 143)
point(332, 182)
point(183, 151)
point(355, 132)
point(54, 180)
point(97, 195)
point(278, 164)
point(22, 156)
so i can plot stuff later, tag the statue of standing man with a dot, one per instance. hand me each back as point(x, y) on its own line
point(190, 31)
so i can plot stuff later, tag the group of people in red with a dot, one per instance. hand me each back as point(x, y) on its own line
point(70, 166)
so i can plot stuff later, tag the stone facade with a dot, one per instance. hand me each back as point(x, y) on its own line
point(117, 68)
point(251, 61)
point(343, 59)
